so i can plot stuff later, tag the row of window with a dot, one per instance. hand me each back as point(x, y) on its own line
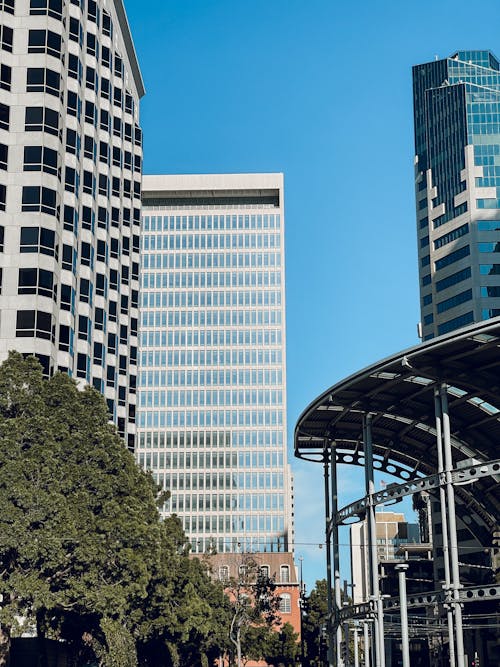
point(208, 418)
point(195, 439)
point(165, 280)
point(211, 260)
point(221, 502)
point(213, 299)
point(152, 318)
point(204, 397)
point(216, 459)
point(160, 223)
point(207, 338)
point(209, 241)
point(211, 358)
point(247, 523)
point(239, 543)
point(202, 378)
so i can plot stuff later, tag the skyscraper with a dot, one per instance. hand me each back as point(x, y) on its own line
point(212, 377)
point(70, 187)
point(457, 171)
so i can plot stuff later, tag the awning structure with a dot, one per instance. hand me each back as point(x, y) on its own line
point(399, 393)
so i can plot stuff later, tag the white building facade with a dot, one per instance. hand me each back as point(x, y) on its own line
point(70, 187)
point(211, 419)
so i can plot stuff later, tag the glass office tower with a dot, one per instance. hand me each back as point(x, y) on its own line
point(212, 377)
point(457, 170)
point(70, 193)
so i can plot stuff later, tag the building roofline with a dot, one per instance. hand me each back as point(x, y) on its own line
point(207, 182)
point(129, 46)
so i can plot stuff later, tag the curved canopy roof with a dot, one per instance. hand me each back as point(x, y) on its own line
point(399, 393)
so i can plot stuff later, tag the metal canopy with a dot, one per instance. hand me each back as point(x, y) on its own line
point(399, 393)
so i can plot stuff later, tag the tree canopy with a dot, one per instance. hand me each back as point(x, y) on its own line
point(84, 555)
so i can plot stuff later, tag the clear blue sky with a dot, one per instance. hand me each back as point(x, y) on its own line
point(321, 90)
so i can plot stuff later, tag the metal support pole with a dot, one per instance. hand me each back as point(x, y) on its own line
point(450, 496)
point(356, 645)
point(405, 639)
point(378, 630)
point(336, 560)
point(328, 544)
point(444, 523)
point(366, 637)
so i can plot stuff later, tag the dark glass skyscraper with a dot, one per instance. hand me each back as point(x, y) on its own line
point(457, 178)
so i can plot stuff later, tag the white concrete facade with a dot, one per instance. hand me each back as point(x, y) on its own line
point(211, 420)
point(70, 182)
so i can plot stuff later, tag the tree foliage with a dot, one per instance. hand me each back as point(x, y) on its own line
point(84, 556)
point(313, 622)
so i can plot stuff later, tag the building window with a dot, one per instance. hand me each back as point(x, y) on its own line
point(4, 155)
point(107, 24)
point(452, 257)
point(82, 364)
point(46, 7)
point(4, 117)
point(75, 69)
point(40, 158)
point(75, 31)
point(36, 281)
point(7, 6)
point(456, 323)
point(83, 327)
point(38, 239)
point(6, 37)
point(44, 41)
point(67, 298)
point(2, 236)
point(285, 603)
point(40, 119)
point(85, 291)
point(451, 236)
point(264, 570)
point(284, 574)
point(65, 338)
point(99, 354)
point(455, 300)
point(38, 199)
point(33, 323)
point(74, 104)
point(5, 76)
point(100, 286)
point(68, 258)
point(42, 80)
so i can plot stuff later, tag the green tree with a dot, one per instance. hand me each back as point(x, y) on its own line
point(253, 603)
point(313, 621)
point(282, 648)
point(79, 528)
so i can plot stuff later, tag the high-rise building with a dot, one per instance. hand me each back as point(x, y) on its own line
point(211, 420)
point(457, 170)
point(70, 188)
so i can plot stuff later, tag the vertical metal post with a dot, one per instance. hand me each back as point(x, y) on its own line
point(336, 559)
point(328, 544)
point(450, 496)
point(444, 522)
point(366, 637)
point(356, 645)
point(378, 630)
point(405, 639)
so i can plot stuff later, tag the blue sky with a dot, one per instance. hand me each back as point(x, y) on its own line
point(320, 90)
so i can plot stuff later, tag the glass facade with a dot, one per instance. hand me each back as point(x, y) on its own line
point(211, 413)
point(457, 170)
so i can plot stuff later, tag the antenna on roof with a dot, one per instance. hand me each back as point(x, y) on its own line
point(436, 57)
